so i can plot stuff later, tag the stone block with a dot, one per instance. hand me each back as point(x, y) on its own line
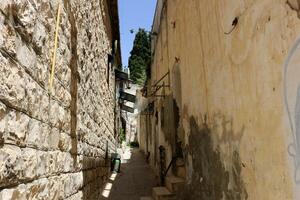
point(12, 83)
point(53, 165)
point(16, 128)
point(40, 36)
point(65, 162)
point(181, 172)
point(65, 143)
point(41, 71)
point(33, 93)
point(78, 195)
point(73, 183)
point(43, 162)
point(44, 136)
point(162, 193)
point(174, 183)
point(27, 164)
point(8, 159)
point(54, 137)
point(26, 56)
point(44, 106)
point(33, 134)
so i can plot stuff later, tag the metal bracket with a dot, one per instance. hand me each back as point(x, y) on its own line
point(159, 86)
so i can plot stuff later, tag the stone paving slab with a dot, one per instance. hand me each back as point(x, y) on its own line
point(135, 180)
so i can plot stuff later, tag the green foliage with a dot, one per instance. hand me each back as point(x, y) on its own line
point(122, 135)
point(134, 144)
point(140, 58)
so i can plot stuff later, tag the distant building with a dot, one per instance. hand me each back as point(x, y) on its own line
point(131, 118)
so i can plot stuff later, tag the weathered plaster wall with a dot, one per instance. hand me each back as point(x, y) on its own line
point(237, 101)
point(54, 146)
point(141, 103)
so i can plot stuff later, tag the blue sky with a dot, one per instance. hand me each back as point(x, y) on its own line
point(134, 14)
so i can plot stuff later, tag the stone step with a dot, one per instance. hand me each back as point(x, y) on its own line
point(146, 198)
point(180, 162)
point(174, 183)
point(162, 193)
point(181, 172)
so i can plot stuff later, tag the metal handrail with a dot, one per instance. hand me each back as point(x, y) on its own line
point(171, 162)
point(164, 174)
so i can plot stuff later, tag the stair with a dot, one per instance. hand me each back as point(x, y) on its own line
point(162, 193)
point(180, 168)
point(174, 183)
point(146, 198)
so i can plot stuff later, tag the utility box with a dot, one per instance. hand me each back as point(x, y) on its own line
point(115, 163)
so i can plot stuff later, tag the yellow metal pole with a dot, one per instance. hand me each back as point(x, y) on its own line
point(54, 49)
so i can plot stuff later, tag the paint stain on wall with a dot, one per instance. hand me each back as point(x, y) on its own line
point(210, 179)
point(170, 120)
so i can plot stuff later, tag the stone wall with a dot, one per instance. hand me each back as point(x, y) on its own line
point(234, 75)
point(54, 146)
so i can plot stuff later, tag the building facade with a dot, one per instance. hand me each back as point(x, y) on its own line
point(223, 98)
point(55, 141)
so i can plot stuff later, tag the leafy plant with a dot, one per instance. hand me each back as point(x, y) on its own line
point(134, 144)
point(140, 58)
point(122, 135)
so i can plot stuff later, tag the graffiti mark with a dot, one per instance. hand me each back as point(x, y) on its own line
point(292, 100)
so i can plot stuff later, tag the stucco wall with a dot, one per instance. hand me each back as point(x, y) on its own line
point(53, 146)
point(237, 100)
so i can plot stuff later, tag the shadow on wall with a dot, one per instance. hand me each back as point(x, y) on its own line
point(74, 78)
point(95, 170)
point(170, 120)
point(210, 178)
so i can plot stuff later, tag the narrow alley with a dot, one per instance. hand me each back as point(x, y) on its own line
point(135, 180)
point(149, 100)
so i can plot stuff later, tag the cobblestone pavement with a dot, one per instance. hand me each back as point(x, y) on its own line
point(136, 178)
